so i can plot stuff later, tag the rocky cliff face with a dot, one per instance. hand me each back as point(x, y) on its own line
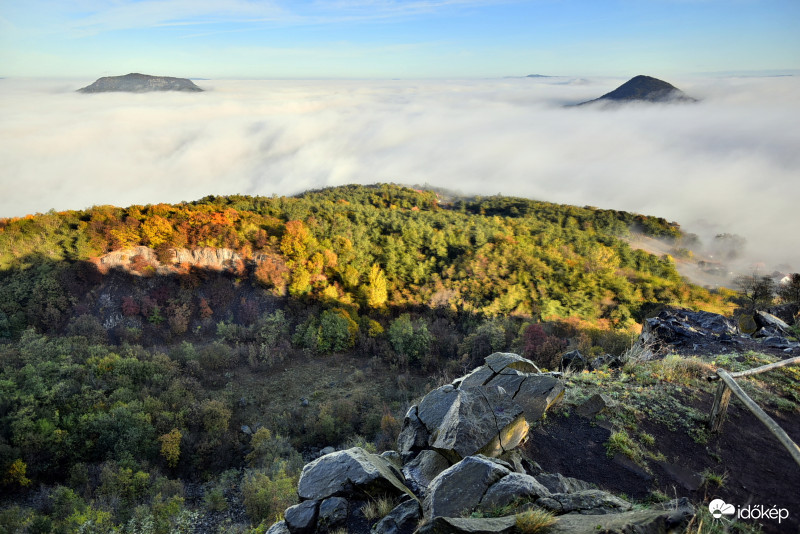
point(139, 83)
point(132, 259)
point(458, 469)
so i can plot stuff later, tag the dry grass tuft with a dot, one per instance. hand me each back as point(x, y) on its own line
point(378, 508)
point(534, 520)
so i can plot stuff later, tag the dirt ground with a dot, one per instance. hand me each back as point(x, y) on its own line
point(758, 470)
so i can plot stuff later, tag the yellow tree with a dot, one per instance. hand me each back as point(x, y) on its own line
point(171, 446)
point(376, 288)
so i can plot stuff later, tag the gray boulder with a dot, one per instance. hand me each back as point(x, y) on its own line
point(777, 342)
point(279, 528)
point(342, 472)
point(558, 483)
point(479, 376)
point(767, 320)
point(515, 460)
point(537, 393)
point(613, 362)
point(670, 517)
point(460, 488)
point(573, 360)
point(302, 518)
point(423, 469)
point(403, 519)
point(594, 405)
point(510, 488)
point(587, 502)
point(500, 361)
point(470, 525)
point(332, 512)
point(767, 331)
point(413, 434)
point(474, 420)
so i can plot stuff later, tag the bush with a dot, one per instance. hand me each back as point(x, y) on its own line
point(216, 417)
point(543, 349)
point(337, 331)
point(268, 448)
point(89, 327)
point(408, 338)
point(265, 498)
point(488, 338)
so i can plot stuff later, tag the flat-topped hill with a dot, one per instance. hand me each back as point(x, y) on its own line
point(139, 83)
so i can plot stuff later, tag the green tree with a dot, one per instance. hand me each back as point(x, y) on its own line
point(216, 416)
point(409, 338)
point(337, 331)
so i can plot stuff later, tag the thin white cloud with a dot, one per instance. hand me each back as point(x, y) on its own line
point(153, 13)
point(93, 17)
point(727, 164)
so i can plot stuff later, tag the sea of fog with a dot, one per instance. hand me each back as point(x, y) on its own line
point(728, 164)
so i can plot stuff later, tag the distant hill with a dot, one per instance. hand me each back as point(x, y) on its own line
point(643, 89)
point(139, 83)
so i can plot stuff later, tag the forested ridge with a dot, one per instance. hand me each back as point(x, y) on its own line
point(124, 389)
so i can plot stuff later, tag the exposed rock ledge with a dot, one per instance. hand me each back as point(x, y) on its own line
point(207, 258)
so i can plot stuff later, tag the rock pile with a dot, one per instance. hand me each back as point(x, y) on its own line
point(681, 328)
point(457, 468)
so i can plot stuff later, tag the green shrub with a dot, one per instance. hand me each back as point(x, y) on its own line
point(214, 500)
point(265, 497)
point(409, 338)
point(337, 331)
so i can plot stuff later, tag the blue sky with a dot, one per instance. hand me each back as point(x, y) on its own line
point(395, 38)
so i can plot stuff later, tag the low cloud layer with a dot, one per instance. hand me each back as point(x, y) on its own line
point(728, 164)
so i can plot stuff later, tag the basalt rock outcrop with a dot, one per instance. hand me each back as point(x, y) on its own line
point(485, 412)
point(681, 329)
point(459, 461)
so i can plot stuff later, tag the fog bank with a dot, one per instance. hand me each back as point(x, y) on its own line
point(728, 164)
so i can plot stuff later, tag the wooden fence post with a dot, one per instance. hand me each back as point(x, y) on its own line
point(720, 407)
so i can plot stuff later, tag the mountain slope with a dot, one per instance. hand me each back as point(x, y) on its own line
point(644, 89)
point(139, 83)
point(369, 247)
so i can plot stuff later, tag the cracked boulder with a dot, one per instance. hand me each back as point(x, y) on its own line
point(500, 361)
point(485, 412)
point(343, 472)
point(535, 392)
point(460, 488)
point(466, 421)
